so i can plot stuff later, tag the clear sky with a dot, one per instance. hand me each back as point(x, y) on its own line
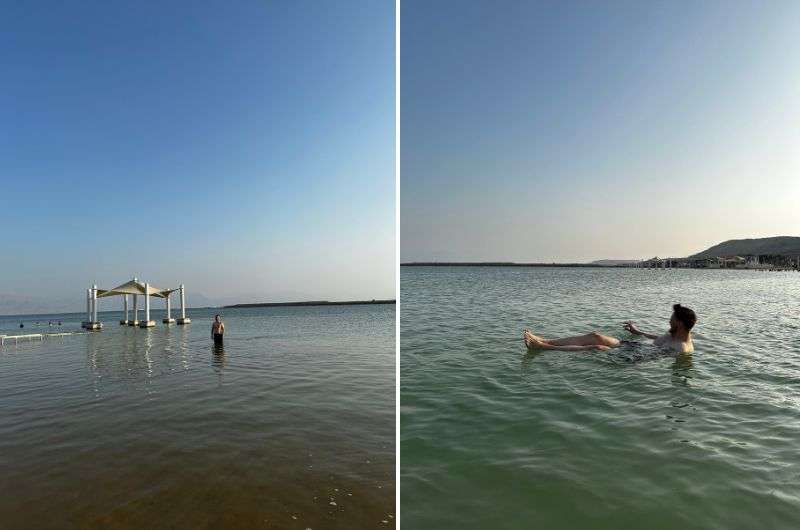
point(243, 148)
point(561, 131)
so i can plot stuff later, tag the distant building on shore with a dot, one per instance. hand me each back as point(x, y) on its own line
point(721, 262)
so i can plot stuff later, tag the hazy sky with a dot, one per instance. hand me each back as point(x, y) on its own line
point(243, 148)
point(559, 131)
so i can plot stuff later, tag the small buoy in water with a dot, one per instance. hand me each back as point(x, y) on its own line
point(21, 325)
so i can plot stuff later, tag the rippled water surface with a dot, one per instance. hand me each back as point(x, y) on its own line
point(495, 437)
point(291, 425)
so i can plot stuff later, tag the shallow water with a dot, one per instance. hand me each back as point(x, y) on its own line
point(291, 425)
point(495, 437)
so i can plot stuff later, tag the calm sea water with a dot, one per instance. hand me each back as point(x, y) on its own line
point(292, 425)
point(495, 437)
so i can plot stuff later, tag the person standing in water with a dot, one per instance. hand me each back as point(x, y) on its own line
point(217, 330)
point(678, 338)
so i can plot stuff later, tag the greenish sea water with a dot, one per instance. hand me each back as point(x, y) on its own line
point(493, 437)
point(290, 425)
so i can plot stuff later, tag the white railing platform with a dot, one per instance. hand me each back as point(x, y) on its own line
point(34, 336)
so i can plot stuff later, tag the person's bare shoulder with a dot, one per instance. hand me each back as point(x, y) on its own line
point(667, 342)
point(663, 340)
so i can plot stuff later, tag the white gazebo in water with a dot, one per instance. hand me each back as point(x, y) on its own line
point(136, 289)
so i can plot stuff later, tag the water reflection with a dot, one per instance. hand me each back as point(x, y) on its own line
point(682, 369)
point(93, 354)
point(183, 346)
point(218, 360)
point(148, 345)
point(136, 354)
point(529, 357)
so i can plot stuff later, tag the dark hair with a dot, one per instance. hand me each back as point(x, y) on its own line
point(685, 316)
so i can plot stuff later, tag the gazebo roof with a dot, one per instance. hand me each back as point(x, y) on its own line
point(134, 287)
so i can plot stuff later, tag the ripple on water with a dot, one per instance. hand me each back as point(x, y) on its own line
point(494, 437)
point(132, 428)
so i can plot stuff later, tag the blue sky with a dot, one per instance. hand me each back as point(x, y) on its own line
point(560, 131)
point(245, 149)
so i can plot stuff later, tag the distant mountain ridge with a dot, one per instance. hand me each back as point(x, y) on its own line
point(782, 245)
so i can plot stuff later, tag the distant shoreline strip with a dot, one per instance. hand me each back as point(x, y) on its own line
point(313, 303)
point(582, 266)
point(500, 264)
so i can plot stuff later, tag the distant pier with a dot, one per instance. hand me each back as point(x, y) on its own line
point(313, 303)
point(36, 336)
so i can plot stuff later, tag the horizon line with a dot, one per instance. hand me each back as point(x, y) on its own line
point(374, 301)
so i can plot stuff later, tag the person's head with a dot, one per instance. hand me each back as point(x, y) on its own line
point(683, 319)
point(216, 318)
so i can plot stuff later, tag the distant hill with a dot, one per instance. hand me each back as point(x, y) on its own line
point(783, 245)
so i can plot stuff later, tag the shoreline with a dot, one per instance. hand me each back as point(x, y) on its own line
point(578, 265)
point(498, 264)
point(29, 316)
point(310, 303)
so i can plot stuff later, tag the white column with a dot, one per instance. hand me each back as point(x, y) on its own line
point(183, 302)
point(169, 316)
point(88, 305)
point(136, 303)
point(94, 303)
point(147, 302)
point(125, 305)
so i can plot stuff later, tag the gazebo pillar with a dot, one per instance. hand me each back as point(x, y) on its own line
point(147, 323)
point(169, 319)
point(183, 319)
point(91, 311)
point(125, 309)
point(94, 303)
point(88, 323)
point(135, 321)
